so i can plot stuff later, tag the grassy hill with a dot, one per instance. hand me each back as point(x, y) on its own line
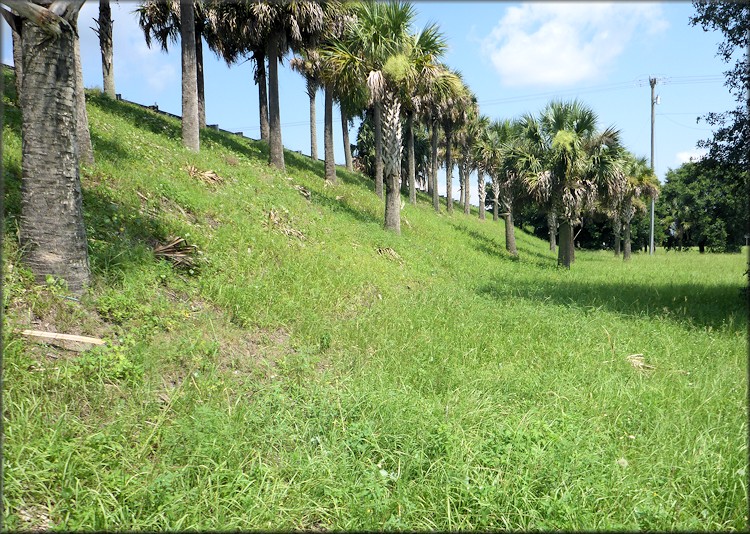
point(311, 371)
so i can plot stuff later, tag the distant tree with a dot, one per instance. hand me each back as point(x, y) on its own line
point(239, 31)
point(83, 133)
point(291, 26)
point(103, 30)
point(308, 65)
point(731, 141)
point(640, 181)
point(160, 21)
point(576, 163)
point(51, 227)
point(704, 204)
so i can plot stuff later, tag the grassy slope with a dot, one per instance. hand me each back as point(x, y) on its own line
point(316, 383)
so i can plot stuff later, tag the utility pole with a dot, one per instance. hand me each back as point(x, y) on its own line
point(652, 82)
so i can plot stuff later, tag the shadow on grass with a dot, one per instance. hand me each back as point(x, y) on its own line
point(121, 237)
point(112, 151)
point(496, 248)
point(694, 305)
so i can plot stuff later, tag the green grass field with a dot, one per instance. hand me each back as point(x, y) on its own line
point(312, 371)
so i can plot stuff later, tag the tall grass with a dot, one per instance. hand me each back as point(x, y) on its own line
point(315, 372)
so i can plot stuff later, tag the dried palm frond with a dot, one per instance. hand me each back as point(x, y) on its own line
point(389, 253)
point(302, 191)
point(209, 177)
point(636, 360)
point(275, 220)
point(178, 251)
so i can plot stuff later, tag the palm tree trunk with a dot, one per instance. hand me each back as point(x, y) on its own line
point(495, 210)
point(482, 194)
point(628, 245)
point(566, 239)
point(617, 229)
point(410, 158)
point(190, 130)
point(552, 229)
point(467, 189)
point(345, 138)
point(275, 144)
point(83, 134)
point(18, 61)
point(260, 79)
point(199, 80)
point(52, 232)
point(434, 167)
point(572, 244)
point(429, 173)
point(330, 164)
point(448, 172)
point(392, 162)
point(311, 90)
point(510, 234)
point(104, 29)
point(378, 126)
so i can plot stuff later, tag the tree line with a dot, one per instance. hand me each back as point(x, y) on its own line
point(367, 59)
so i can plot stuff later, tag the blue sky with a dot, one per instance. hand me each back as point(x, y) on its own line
point(514, 56)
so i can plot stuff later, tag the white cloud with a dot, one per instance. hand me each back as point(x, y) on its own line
point(543, 44)
point(689, 155)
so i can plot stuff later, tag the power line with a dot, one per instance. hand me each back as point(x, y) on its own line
point(639, 82)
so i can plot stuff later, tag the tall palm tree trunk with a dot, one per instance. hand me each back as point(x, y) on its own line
point(275, 144)
point(104, 30)
point(510, 231)
point(552, 229)
point(378, 127)
point(434, 167)
point(564, 253)
point(467, 189)
point(628, 245)
point(190, 129)
point(52, 232)
point(410, 158)
point(392, 162)
point(311, 90)
point(495, 210)
point(83, 134)
point(448, 172)
point(330, 164)
point(617, 231)
point(18, 60)
point(200, 83)
point(482, 191)
point(345, 138)
point(261, 80)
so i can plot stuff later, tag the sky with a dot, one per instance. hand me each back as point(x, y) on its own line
point(515, 57)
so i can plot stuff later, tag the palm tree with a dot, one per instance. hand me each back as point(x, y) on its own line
point(238, 32)
point(571, 161)
point(337, 18)
point(104, 31)
point(190, 110)
point(498, 154)
point(380, 32)
point(481, 125)
point(433, 102)
point(452, 115)
point(466, 137)
point(639, 181)
point(291, 26)
point(51, 227)
point(425, 49)
point(160, 21)
point(308, 64)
